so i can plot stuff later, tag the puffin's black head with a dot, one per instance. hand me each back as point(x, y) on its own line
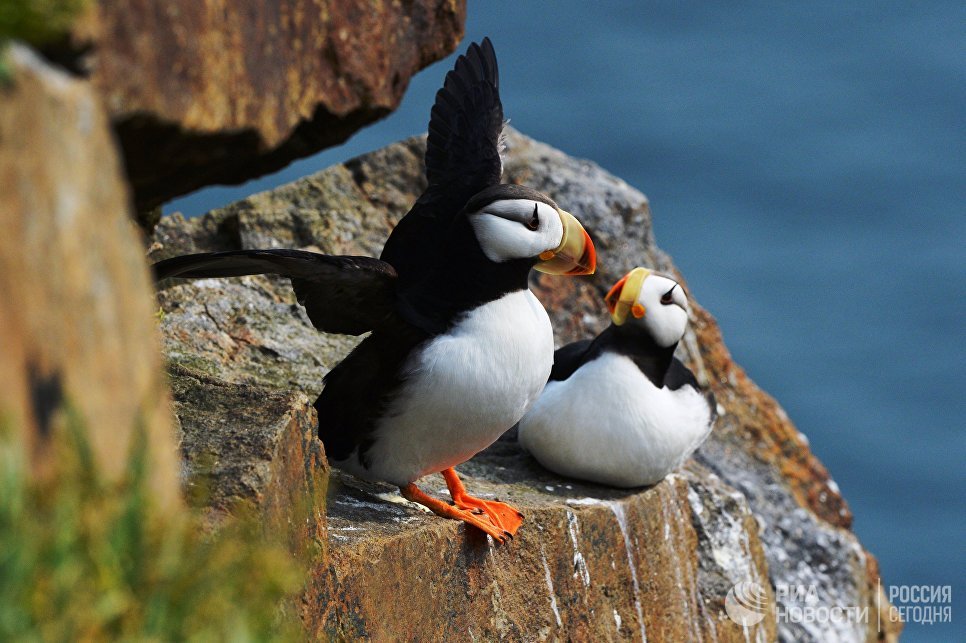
point(515, 222)
point(653, 301)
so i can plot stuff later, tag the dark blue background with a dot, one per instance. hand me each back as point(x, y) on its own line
point(805, 166)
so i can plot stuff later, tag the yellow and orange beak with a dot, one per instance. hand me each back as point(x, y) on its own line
point(622, 300)
point(575, 255)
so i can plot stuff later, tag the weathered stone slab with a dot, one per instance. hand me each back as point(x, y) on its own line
point(591, 563)
point(255, 447)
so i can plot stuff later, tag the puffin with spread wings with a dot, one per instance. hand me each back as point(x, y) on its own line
point(459, 347)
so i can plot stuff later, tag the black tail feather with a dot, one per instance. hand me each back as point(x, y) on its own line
point(237, 263)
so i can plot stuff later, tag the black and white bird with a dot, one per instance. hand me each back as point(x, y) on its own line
point(459, 347)
point(620, 409)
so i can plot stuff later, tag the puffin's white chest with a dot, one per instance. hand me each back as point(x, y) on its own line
point(464, 389)
point(608, 423)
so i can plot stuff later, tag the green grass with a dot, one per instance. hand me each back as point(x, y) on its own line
point(38, 22)
point(86, 559)
point(35, 22)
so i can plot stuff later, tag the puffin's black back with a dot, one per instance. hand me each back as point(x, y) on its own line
point(656, 362)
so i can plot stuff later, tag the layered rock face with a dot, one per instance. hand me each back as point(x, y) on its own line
point(590, 563)
point(220, 91)
point(78, 335)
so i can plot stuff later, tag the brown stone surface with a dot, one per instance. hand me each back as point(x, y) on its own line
point(590, 564)
point(253, 446)
point(754, 504)
point(220, 91)
point(77, 323)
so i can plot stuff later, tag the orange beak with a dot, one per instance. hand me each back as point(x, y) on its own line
point(575, 255)
point(622, 298)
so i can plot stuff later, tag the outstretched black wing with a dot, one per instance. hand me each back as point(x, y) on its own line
point(341, 294)
point(462, 157)
point(463, 146)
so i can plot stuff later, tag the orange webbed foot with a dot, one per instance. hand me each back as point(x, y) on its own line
point(504, 516)
point(470, 516)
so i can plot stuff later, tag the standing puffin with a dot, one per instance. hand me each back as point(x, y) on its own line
point(620, 409)
point(459, 347)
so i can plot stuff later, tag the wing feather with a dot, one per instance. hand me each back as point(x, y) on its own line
point(462, 157)
point(341, 294)
point(569, 358)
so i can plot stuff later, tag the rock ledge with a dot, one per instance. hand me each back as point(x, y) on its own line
point(590, 563)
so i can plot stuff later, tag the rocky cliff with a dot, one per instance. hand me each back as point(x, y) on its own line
point(164, 97)
point(77, 335)
point(590, 563)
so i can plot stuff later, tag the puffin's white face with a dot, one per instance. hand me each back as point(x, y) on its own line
point(666, 309)
point(653, 301)
point(509, 229)
point(516, 229)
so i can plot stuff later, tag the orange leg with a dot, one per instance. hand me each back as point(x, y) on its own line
point(502, 514)
point(412, 493)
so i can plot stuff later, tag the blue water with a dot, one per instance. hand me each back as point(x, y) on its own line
point(806, 167)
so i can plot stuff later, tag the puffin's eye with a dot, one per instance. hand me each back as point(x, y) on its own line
point(666, 298)
point(534, 221)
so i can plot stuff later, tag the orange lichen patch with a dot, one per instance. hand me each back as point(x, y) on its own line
point(766, 430)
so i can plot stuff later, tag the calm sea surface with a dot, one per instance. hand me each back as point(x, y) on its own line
point(806, 167)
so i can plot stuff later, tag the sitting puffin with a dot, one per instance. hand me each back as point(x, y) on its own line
point(620, 409)
point(459, 347)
